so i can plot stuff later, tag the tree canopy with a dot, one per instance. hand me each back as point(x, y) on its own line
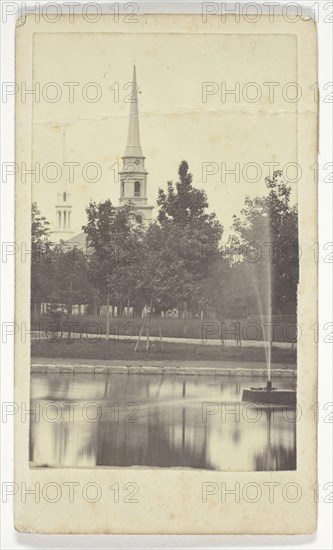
point(266, 238)
point(40, 256)
point(175, 268)
point(113, 241)
point(186, 206)
point(170, 264)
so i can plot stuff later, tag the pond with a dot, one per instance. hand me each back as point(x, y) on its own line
point(86, 420)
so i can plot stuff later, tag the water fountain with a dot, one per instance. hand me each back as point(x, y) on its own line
point(267, 394)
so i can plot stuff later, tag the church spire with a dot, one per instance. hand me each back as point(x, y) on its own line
point(133, 147)
point(133, 176)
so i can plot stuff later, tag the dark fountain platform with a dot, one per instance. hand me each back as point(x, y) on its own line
point(269, 395)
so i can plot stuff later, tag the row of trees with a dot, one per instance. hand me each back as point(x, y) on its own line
point(179, 261)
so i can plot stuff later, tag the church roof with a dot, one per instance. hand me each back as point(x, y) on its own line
point(80, 240)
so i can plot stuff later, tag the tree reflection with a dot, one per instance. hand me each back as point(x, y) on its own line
point(276, 456)
point(170, 431)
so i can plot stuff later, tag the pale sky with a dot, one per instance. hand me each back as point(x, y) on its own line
point(175, 123)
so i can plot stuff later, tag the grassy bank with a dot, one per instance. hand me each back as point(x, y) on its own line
point(206, 329)
point(83, 349)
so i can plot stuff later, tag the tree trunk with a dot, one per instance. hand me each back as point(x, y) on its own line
point(69, 307)
point(108, 315)
point(185, 318)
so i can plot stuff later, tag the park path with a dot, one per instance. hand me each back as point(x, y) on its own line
point(40, 335)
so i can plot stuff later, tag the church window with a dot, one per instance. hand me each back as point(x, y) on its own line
point(137, 189)
point(138, 218)
point(122, 188)
point(64, 197)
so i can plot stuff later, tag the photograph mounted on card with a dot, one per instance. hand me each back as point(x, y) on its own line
point(166, 191)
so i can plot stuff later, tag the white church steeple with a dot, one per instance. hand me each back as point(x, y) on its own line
point(133, 177)
point(133, 147)
point(63, 207)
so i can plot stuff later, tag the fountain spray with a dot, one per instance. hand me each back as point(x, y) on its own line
point(269, 345)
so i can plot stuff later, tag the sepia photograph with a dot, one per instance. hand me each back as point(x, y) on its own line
point(163, 197)
point(162, 260)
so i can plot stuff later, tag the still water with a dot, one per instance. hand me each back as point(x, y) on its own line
point(87, 420)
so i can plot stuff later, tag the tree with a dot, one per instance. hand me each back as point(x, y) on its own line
point(266, 238)
point(41, 258)
point(113, 240)
point(70, 280)
point(40, 231)
point(186, 206)
point(167, 278)
point(175, 247)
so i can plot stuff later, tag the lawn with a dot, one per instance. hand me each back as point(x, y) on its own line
point(120, 350)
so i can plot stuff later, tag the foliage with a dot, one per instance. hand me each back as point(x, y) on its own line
point(40, 231)
point(58, 273)
point(185, 206)
point(40, 257)
point(168, 277)
point(175, 262)
point(70, 283)
point(266, 240)
point(113, 240)
point(175, 269)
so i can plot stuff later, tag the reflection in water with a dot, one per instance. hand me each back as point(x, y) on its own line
point(150, 420)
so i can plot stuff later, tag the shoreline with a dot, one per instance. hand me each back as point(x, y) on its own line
point(191, 368)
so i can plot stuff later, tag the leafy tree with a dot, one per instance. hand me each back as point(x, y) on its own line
point(186, 206)
point(175, 269)
point(41, 258)
point(266, 238)
point(167, 278)
point(113, 242)
point(70, 281)
point(40, 231)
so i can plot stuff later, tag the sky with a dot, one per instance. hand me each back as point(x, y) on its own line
point(176, 123)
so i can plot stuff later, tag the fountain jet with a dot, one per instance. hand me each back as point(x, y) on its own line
point(262, 281)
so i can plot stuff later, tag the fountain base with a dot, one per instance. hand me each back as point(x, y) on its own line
point(268, 394)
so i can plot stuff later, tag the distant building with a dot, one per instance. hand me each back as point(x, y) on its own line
point(63, 222)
